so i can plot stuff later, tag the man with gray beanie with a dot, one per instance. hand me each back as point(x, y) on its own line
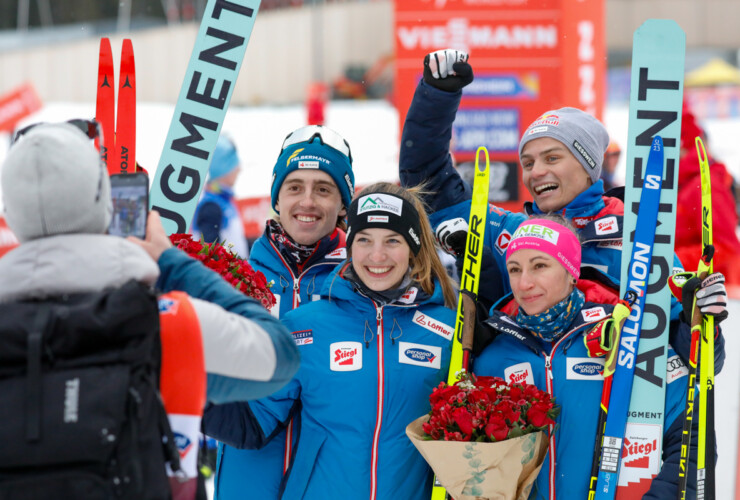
point(312, 188)
point(90, 293)
point(561, 155)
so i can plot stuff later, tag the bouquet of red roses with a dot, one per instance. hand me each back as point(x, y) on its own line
point(236, 271)
point(484, 437)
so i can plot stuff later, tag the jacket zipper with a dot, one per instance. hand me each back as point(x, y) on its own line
point(296, 281)
point(379, 412)
point(551, 391)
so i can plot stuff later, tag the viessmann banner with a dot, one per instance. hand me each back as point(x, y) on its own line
point(528, 57)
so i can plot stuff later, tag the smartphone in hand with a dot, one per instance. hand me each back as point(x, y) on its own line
point(130, 194)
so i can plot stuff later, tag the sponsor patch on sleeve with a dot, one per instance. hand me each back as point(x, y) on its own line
point(303, 337)
point(433, 325)
point(593, 314)
point(519, 374)
point(502, 242)
point(676, 369)
point(345, 356)
point(428, 356)
point(585, 369)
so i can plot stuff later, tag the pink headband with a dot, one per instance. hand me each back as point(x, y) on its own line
point(550, 237)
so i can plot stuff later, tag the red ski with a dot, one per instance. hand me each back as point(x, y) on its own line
point(105, 104)
point(126, 112)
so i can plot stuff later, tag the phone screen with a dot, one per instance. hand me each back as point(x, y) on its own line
point(130, 194)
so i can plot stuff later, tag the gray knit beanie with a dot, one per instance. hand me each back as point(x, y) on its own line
point(585, 136)
point(54, 182)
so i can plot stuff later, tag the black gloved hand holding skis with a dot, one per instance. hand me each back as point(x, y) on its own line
point(447, 70)
point(710, 293)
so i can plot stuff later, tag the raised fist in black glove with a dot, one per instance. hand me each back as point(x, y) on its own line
point(447, 70)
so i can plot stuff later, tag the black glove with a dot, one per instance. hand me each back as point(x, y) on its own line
point(447, 70)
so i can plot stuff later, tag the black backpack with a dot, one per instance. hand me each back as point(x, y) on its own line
point(80, 411)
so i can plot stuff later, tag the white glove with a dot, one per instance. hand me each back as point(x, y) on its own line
point(441, 61)
point(711, 297)
point(451, 236)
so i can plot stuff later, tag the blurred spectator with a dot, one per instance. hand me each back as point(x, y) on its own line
point(688, 208)
point(609, 167)
point(217, 216)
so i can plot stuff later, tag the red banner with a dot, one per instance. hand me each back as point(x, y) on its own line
point(254, 212)
point(528, 57)
point(16, 105)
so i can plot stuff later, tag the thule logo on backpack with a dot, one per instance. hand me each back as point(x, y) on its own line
point(71, 400)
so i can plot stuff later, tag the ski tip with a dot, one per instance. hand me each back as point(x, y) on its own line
point(700, 151)
point(657, 143)
point(481, 168)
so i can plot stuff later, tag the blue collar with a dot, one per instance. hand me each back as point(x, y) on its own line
point(587, 204)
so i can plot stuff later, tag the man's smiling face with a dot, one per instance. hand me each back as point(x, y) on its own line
point(552, 174)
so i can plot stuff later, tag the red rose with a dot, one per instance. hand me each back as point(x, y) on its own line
point(464, 420)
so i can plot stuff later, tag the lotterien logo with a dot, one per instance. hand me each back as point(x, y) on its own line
point(380, 202)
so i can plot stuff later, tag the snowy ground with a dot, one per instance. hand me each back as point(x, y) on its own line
point(371, 128)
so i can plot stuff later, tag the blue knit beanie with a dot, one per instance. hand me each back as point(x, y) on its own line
point(224, 158)
point(317, 156)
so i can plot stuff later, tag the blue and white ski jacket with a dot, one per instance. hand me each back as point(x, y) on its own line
point(564, 369)
point(257, 473)
point(366, 372)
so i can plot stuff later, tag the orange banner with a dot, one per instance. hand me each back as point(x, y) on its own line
point(528, 57)
point(254, 212)
point(16, 105)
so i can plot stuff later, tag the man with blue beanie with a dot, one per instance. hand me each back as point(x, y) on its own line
point(312, 188)
point(217, 216)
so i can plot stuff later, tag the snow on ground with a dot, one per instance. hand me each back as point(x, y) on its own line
point(371, 128)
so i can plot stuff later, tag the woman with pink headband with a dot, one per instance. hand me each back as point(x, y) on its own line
point(539, 334)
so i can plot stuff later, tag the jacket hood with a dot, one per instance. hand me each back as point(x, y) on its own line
point(76, 263)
